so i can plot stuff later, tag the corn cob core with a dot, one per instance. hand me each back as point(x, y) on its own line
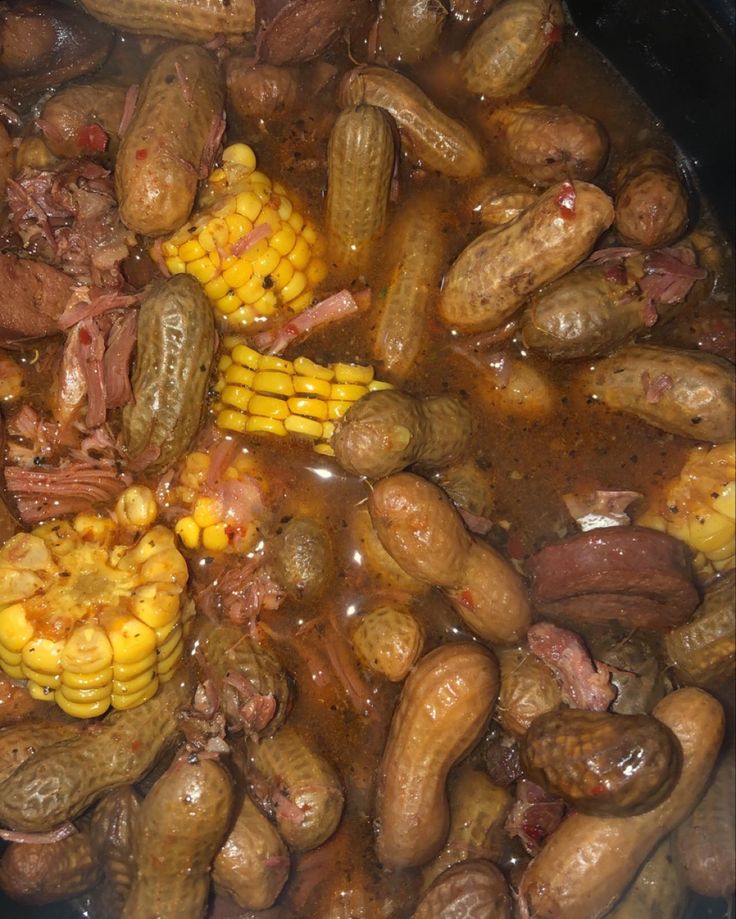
point(262, 394)
point(206, 524)
point(90, 610)
point(699, 507)
point(248, 246)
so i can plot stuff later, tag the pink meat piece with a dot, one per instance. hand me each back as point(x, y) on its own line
point(534, 815)
point(41, 493)
point(586, 684)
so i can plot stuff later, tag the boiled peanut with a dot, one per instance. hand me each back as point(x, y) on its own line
point(253, 864)
point(508, 48)
point(443, 710)
point(528, 689)
point(430, 136)
point(478, 811)
point(388, 640)
point(600, 762)
point(422, 531)
point(587, 863)
point(301, 786)
point(180, 827)
point(39, 873)
point(473, 889)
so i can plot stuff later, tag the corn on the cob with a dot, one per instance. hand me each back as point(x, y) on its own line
point(207, 524)
point(699, 507)
point(261, 394)
point(253, 252)
point(89, 617)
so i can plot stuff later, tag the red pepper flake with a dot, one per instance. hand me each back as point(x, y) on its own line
point(136, 746)
point(141, 154)
point(92, 137)
point(85, 337)
point(566, 200)
point(552, 33)
point(467, 599)
point(598, 790)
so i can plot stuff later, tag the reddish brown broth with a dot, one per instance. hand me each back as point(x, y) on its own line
point(531, 463)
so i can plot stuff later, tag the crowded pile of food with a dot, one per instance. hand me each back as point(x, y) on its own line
point(368, 470)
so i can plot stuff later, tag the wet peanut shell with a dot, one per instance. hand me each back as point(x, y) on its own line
point(602, 763)
point(61, 781)
point(41, 873)
point(473, 890)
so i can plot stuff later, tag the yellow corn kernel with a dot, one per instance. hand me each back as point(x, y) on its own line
point(324, 449)
point(230, 420)
point(136, 507)
point(169, 248)
point(376, 385)
point(296, 222)
point(166, 665)
point(241, 155)
point(232, 341)
point(214, 537)
point(224, 362)
point(312, 386)
point(304, 367)
point(198, 463)
point(124, 673)
point(93, 528)
point(266, 304)
point(187, 531)
point(271, 362)
point(72, 680)
point(286, 208)
point(237, 396)
point(132, 641)
point(217, 175)
point(123, 702)
point(309, 234)
point(244, 315)
point(283, 239)
point(219, 230)
point(347, 392)
point(301, 302)
point(93, 694)
point(266, 263)
point(268, 407)
point(202, 269)
point(14, 671)
point(206, 510)
point(42, 655)
point(239, 376)
point(176, 265)
point(316, 272)
point(154, 607)
point(238, 274)
point(248, 205)
point(353, 373)
point(258, 425)
point(282, 274)
point(296, 424)
point(41, 679)
point(134, 685)
point(41, 693)
point(18, 585)
point(166, 638)
point(81, 709)
point(228, 304)
point(311, 408)
point(328, 429)
point(260, 178)
point(251, 291)
point(191, 250)
point(224, 207)
point(300, 254)
point(274, 382)
point(237, 226)
point(336, 409)
point(295, 286)
point(86, 650)
point(207, 240)
point(157, 539)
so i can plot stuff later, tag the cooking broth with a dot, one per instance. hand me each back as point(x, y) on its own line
point(532, 458)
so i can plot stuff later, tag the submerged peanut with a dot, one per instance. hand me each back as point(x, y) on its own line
point(388, 640)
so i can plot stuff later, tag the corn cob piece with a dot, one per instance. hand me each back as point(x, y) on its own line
point(253, 252)
point(91, 609)
point(262, 394)
point(699, 507)
point(209, 524)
